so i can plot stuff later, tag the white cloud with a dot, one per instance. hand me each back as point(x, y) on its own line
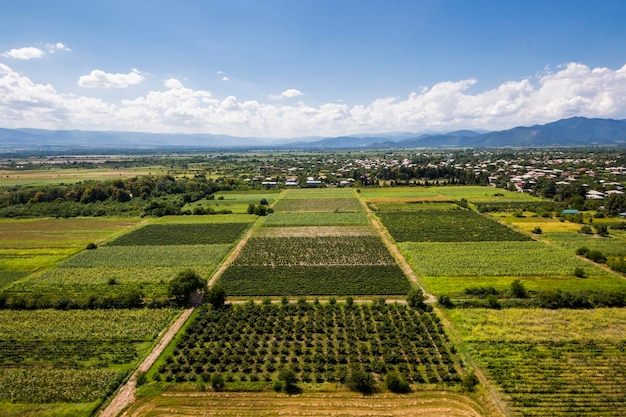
point(225, 78)
point(290, 93)
point(29, 52)
point(571, 90)
point(59, 46)
point(101, 79)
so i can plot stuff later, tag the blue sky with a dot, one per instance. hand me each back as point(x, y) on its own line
point(309, 68)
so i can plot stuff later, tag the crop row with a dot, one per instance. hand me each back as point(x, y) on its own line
point(318, 280)
point(182, 234)
point(446, 226)
point(148, 256)
point(494, 259)
point(551, 380)
point(72, 356)
point(317, 341)
point(320, 205)
point(323, 250)
point(412, 206)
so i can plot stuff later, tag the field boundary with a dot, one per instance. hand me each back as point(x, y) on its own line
point(125, 395)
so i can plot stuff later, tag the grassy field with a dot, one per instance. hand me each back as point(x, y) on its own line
point(336, 205)
point(33, 244)
point(316, 219)
point(237, 202)
point(11, 178)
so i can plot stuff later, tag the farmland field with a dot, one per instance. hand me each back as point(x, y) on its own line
point(446, 226)
point(550, 363)
point(29, 245)
point(45, 360)
point(337, 205)
point(572, 241)
point(319, 342)
point(237, 202)
point(316, 219)
point(182, 234)
point(342, 404)
point(314, 265)
point(494, 259)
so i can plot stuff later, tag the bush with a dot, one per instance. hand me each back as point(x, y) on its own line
point(91, 246)
point(289, 380)
point(582, 251)
point(596, 256)
point(217, 382)
point(469, 382)
point(445, 301)
point(579, 272)
point(361, 381)
point(586, 229)
point(518, 290)
point(396, 384)
point(492, 302)
point(537, 231)
point(602, 229)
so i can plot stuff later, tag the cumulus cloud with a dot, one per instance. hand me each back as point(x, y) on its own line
point(290, 93)
point(29, 52)
point(572, 89)
point(100, 79)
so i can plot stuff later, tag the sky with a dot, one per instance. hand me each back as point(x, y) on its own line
point(304, 68)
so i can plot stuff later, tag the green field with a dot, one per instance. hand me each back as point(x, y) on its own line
point(446, 226)
point(550, 363)
point(33, 244)
point(336, 205)
point(237, 202)
point(182, 234)
point(572, 241)
point(316, 219)
point(44, 359)
point(319, 342)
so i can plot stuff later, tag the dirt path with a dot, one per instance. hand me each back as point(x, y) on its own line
point(240, 245)
point(395, 252)
point(125, 395)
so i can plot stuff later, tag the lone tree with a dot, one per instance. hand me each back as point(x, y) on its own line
point(184, 285)
point(216, 296)
point(415, 299)
point(518, 290)
point(361, 381)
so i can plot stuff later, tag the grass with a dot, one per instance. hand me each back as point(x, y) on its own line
point(573, 241)
point(182, 234)
point(547, 225)
point(52, 176)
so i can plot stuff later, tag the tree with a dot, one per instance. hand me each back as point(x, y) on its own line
point(415, 299)
point(361, 381)
point(470, 381)
point(396, 384)
point(289, 379)
point(216, 296)
point(183, 285)
point(602, 229)
point(217, 382)
point(518, 290)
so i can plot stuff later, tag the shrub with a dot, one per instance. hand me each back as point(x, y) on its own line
point(518, 290)
point(596, 256)
point(582, 251)
point(602, 229)
point(217, 382)
point(396, 384)
point(469, 382)
point(492, 302)
point(361, 381)
point(579, 272)
point(586, 229)
point(91, 245)
point(445, 301)
point(537, 231)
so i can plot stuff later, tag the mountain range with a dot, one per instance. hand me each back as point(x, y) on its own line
point(575, 131)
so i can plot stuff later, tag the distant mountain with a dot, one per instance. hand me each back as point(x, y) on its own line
point(576, 131)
